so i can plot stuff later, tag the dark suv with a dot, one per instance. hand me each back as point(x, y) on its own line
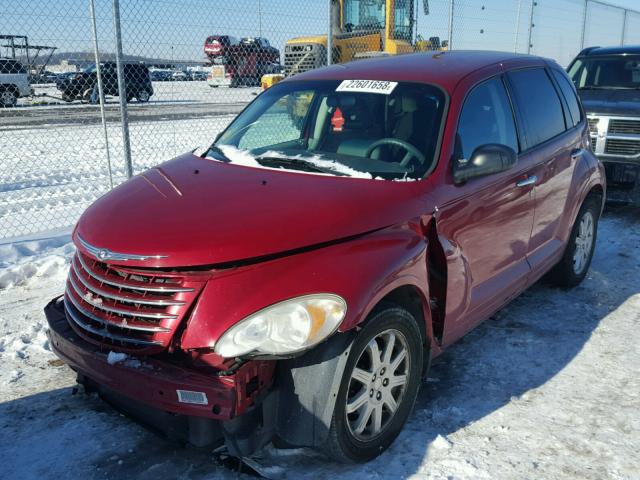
point(608, 82)
point(83, 85)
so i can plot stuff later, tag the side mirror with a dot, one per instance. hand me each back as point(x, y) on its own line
point(425, 7)
point(485, 160)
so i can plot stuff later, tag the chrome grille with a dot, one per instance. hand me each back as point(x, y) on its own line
point(124, 308)
point(615, 136)
point(616, 146)
point(620, 126)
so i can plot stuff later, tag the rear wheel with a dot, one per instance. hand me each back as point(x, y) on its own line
point(574, 265)
point(379, 386)
point(8, 97)
point(143, 96)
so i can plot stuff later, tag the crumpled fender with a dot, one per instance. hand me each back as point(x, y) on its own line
point(362, 271)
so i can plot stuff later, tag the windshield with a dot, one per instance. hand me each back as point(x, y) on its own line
point(339, 128)
point(619, 71)
point(363, 14)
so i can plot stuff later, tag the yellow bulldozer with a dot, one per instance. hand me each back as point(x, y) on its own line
point(361, 29)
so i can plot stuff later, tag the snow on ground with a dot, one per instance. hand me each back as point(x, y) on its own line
point(48, 185)
point(547, 388)
point(164, 92)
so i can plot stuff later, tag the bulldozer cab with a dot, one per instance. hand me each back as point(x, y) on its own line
point(393, 19)
point(360, 29)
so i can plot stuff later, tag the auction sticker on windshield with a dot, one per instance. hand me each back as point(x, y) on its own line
point(368, 86)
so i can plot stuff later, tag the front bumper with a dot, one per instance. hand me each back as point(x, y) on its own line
point(156, 382)
point(623, 180)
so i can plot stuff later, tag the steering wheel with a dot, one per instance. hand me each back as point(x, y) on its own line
point(412, 152)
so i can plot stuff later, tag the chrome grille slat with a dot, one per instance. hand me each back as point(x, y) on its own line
point(624, 126)
point(135, 310)
point(121, 298)
point(118, 311)
point(105, 333)
point(131, 286)
point(108, 323)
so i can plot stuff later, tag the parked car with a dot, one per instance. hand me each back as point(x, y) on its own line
point(217, 45)
point(180, 76)
point(198, 75)
point(348, 226)
point(608, 80)
point(14, 82)
point(160, 75)
point(83, 85)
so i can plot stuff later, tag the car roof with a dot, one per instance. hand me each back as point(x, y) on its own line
point(444, 68)
point(593, 51)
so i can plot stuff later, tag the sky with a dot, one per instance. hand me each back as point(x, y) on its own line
point(176, 29)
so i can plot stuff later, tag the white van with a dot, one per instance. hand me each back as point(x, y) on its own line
point(14, 82)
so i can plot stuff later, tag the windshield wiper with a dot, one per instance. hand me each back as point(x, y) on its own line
point(297, 164)
point(220, 154)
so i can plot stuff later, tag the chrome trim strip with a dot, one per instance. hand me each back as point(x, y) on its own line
point(140, 288)
point(105, 254)
point(105, 334)
point(93, 317)
point(119, 311)
point(112, 296)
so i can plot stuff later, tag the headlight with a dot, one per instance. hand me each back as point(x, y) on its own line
point(286, 327)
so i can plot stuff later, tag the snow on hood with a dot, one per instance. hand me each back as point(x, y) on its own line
point(243, 157)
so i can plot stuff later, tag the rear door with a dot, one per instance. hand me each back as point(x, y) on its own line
point(487, 221)
point(553, 145)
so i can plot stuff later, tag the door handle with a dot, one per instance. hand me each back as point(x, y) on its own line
point(527, 181)
point(577, 154)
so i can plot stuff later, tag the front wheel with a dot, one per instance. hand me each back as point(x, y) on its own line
point(379, 386)
point(575, 262)
point(143, 96)
point(8, 98)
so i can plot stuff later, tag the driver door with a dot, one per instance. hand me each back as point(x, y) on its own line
point(485, 226)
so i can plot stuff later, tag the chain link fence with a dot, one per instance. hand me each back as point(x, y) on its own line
point(97, 90)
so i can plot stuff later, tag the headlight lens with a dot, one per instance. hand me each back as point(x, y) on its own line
point(286, 327)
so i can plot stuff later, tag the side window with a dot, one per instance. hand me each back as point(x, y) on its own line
point(539, 104)
point(569, 95)
point(486, 118)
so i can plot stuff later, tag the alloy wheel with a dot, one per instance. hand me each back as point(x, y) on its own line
point(377, 384)
point(583, 242)
point(7, 98)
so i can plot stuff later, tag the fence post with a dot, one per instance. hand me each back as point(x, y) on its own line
point(122, 90)
point(515, 42)
point(330, 33)
point(531, 25)
point(451, 11)
point(584, 23)
point(96, 53)
point(624, 27)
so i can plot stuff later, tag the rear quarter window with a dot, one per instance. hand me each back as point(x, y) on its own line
point(570, 96)
point(539, 104)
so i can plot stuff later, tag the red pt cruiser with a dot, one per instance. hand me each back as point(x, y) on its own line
point(293, 282)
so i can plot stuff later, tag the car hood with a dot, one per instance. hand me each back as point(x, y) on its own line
point(611, 102)
point(195, 211)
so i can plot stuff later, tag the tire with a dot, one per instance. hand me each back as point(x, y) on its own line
point(574, 265)
point(143, 96)
point(8, 97)
point(369, 391)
